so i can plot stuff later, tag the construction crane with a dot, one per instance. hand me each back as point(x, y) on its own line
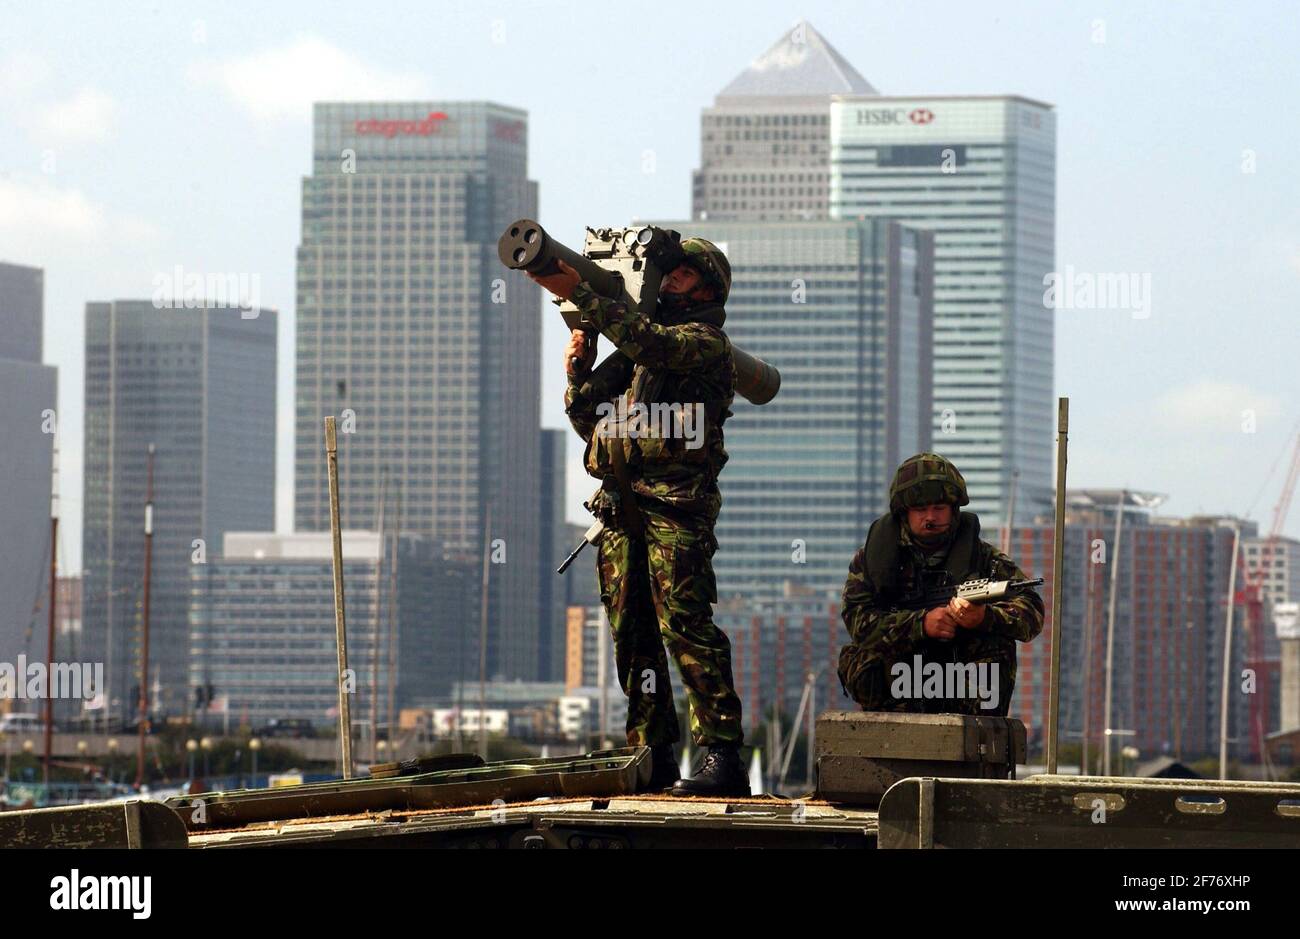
point(1252, 595)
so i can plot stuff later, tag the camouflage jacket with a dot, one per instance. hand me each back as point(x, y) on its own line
point(888, 634)
point(674, 381)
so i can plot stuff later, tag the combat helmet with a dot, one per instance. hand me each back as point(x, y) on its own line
point(708, 259)
point(925, 479)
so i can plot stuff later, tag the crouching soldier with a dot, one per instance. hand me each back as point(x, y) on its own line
point(905, 657)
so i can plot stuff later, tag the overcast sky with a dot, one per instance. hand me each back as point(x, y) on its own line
point(135, 137)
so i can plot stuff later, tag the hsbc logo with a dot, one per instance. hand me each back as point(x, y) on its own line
point(894, 116)
point(430, 125)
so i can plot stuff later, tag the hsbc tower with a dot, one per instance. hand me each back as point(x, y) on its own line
point(980, 172)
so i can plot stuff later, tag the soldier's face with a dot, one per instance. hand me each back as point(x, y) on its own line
point(929, 521)
point(685, 280)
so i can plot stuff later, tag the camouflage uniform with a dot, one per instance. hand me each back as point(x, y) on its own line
point(882, 634)
point(661, 583)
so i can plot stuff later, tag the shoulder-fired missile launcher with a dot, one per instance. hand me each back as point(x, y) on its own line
point(626, 264)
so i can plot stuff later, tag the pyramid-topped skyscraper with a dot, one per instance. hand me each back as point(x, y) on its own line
point(765, 143)
point(800, 64)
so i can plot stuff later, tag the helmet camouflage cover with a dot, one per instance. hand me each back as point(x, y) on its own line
point(712, 264)
point(925, 479)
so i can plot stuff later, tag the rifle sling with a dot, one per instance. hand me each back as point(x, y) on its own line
point(628, 510)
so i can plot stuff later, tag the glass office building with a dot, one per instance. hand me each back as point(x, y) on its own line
point(199, 384)
point(28, 390)
point(843, 310)
point(980, 172)
point(263, 636)
point(425, 348)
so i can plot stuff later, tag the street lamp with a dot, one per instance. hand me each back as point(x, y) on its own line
point(112, 757)
point(191, 746)
point(1116, 732)
point(254, 745)
point(206, 745)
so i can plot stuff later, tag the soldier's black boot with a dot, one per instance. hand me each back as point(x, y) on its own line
point(722, 774)
point(664, 770)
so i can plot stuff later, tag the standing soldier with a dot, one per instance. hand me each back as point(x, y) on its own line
point(925, 542)
point(659, 501)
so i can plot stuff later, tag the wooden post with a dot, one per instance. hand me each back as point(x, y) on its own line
point(1058, 586)
point(340, 622)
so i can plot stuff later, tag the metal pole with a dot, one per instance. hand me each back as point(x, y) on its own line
point(778, 744)
point(1110, 629)
point(1089, 627)
point(143, 722)
point(794, 731)
point(459, 741)
point(1058, 584)
point(602, 679)
point(49, 646)
point(1011, 510)
point(392, 631)
point(482, 635)
point(1227, 656)
point(340, 623)
point(809, 760)
point(374, 645)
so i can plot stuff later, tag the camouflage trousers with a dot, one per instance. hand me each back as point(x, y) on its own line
point(658, 589)
point(878, 684)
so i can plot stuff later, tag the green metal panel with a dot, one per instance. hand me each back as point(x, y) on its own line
point(1089, 812)
point(603, 773)
point(132, 824)
point(647, 821)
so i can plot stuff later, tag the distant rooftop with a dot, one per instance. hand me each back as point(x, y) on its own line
point(802, 64)
point(299, 545)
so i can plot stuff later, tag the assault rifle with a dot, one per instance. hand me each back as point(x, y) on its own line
point(591, 537)
point(981, 590)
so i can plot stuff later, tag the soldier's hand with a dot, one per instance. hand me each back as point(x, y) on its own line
point(579, 354)
point(940, 624)
point(560, 284)
point(968, 615)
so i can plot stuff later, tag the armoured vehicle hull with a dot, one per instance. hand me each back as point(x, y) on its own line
point(892, 781)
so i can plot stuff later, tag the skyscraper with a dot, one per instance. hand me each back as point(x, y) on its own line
point(198, 384)
point(765, 143)
point(800, 134)
point(843, 309)
point(22, 311)
point(980, 172)
point(411, 333)
point(27, 423)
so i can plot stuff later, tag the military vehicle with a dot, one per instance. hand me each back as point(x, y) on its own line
point(883, 780)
